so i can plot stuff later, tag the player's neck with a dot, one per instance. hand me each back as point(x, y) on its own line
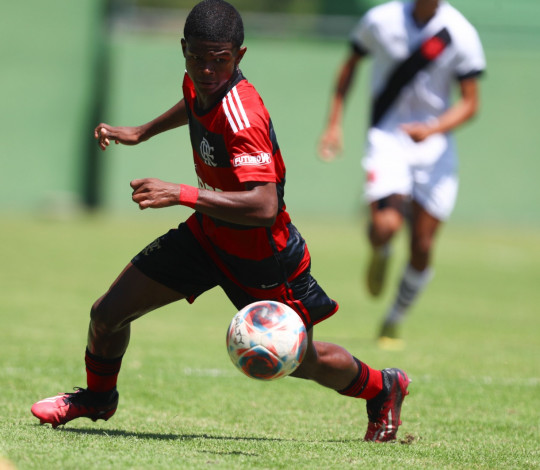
point(423, 11)
point(205, 102)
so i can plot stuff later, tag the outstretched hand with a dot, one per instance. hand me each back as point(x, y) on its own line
point(121, 135)
point(154, 193)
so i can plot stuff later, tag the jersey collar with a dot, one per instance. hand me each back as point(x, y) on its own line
point(236, 77)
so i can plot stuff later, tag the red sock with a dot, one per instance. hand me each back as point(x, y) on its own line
point(101, 374)
point(367, 383)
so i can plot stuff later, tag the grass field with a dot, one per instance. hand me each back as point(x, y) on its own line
point(473, 353)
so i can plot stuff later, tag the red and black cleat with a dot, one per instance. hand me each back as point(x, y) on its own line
point(80, 404)
point(385, 409)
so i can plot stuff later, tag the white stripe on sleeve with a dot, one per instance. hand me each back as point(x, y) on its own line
point(232, 106)
point(235, 112)
point(229, 117)
point(241, 107)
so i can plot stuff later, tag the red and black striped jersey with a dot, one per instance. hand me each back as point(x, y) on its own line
point(233, 143)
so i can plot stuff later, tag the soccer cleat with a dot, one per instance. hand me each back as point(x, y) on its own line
point(390, 344)
point(389, 339)
point(384, 410)
point(376, 272)
point(80, 404)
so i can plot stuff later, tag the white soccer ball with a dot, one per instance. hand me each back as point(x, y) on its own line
point(266, 340)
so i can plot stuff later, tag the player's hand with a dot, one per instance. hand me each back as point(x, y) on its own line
point(120, 135)
point(331, 144)
point(154, 193)
point(418, 131)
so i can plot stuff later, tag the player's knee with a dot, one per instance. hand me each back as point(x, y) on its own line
point(101, 317)
point(384, 224)
point(383, 229)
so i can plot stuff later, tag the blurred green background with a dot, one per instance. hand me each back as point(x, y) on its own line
point(69, 65)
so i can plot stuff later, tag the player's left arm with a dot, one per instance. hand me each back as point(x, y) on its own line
point(256, 206)
point(460, 112)
point(174, 117)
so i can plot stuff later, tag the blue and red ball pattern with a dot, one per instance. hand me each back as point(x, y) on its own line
point(266, 340)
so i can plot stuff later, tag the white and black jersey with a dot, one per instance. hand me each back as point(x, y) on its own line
point(414, 65)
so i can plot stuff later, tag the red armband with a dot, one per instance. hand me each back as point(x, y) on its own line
point(188, 195)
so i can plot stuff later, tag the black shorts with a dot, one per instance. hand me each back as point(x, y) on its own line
point(178, 261)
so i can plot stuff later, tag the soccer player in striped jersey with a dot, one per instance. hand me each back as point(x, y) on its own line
point(419, 49)
point(240, 236)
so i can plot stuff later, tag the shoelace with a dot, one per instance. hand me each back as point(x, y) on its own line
point(74, 397)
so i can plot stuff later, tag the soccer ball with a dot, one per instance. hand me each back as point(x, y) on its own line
point(266, 340)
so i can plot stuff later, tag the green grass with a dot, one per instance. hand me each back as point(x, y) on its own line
point(473, 353)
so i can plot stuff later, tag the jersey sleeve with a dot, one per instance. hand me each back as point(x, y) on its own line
point(362, 37)
point(471, 59)
point(248, 137)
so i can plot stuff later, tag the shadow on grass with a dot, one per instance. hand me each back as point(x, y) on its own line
point(164, 437)
point(184, 437)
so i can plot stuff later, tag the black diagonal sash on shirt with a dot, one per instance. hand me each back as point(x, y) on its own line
point(428, 51)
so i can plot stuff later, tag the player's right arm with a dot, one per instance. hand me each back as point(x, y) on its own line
point(460, 112)
point(174, 117)
point(331, 142)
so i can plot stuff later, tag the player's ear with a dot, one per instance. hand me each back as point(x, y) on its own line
point(184, 46)
point(240, 54)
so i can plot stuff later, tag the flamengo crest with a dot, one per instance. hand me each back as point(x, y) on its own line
point(206, 152)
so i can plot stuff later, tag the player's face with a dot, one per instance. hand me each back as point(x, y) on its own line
point(210, 65)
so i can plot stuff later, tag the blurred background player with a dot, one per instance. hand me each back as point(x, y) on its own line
point(240, 236)
point(419, 50)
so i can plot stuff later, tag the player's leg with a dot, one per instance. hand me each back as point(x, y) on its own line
point(171, 268)
point(334, 367)
point(417, 273)
point(131, 295)
point(388, 177)
point(424, 228)
point(386, 218)
point(434, 192)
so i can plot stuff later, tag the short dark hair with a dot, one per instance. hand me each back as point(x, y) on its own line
point(216, 21)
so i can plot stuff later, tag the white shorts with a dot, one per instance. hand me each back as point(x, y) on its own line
point(425, 171)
